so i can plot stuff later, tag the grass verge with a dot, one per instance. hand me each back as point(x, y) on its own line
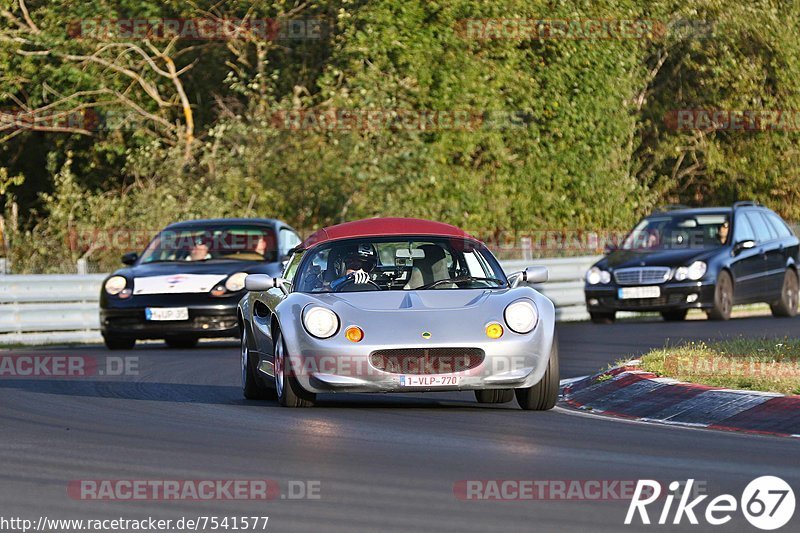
point(770, 365)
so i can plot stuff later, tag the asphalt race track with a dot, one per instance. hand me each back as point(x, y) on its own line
point(382, 462)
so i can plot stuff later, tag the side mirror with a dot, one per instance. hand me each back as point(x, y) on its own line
point(263, 282)
point(531, 275)
point(129, 258)
point(609, 248)
point(743, 245)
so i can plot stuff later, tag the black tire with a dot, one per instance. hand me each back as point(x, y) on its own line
point(494, 395)
point(289, 391)
point(603, 318)
point(544, 395)
point(181, 343)
point(253, 387)
point(119, 343)
point(788, 304)
point(674, 316)
point(723, 298)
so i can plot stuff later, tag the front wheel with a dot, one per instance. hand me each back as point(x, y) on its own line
point(288, 389)
point(787, 305)
point(544, 395)
point(253, 387)
point(494, 395)
point(723, 298)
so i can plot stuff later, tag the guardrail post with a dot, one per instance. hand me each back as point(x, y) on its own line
point(81, 267)
point(525, 244)
point(3, 266)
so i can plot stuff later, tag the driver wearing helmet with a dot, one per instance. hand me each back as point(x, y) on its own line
point(357, 264)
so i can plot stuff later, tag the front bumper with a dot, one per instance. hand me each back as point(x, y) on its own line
point(674, 296)
point(207, 318)
point(514, 361)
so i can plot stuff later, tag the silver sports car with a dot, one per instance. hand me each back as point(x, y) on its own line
point(397, 305)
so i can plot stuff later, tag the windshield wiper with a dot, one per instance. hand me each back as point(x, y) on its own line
point(459, 279)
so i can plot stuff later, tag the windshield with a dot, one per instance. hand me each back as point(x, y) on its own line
point(414, 263)
point(209, 243)
point(675, 232)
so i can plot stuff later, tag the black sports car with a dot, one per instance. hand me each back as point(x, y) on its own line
point(189, 279)
point(709, 258)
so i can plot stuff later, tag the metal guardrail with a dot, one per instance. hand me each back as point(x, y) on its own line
point(41, 309)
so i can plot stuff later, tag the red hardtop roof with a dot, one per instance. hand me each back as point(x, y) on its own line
point(376, 227)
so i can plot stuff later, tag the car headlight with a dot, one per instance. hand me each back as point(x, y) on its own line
point(320, 322)
point(236, 282)
point(521, 316)
point(596, 275)
point(115, 285)
point(694, 272)
point(697, 270)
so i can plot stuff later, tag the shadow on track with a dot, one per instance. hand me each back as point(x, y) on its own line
point(231, 395)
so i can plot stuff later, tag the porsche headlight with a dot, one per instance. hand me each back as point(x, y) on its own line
point(521, 316)
point(596, 275)
point(235, 282)
point(320, 322)
point(115, 285)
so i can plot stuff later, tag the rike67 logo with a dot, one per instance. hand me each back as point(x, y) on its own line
point(767, 503)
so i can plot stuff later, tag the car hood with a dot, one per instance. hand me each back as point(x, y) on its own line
point(223, 268)
point(439, 299)
point(668, 258)
point(446, 305)
point(450, 316)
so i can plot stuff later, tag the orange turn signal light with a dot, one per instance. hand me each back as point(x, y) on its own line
point(354, 334)
point(494, 331)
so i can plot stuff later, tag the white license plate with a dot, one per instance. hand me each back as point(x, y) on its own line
point(639, 292)
point(166, 313)
point(429, 381)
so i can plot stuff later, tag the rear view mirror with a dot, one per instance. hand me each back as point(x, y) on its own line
point(404, 253)
point(536, 274)
point(129, 258)
point(531, 275)
point(743, 245)
point(263, 282)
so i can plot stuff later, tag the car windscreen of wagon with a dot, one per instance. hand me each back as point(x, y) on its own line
point(251, 243)
point(675, 232)
point(423, 263)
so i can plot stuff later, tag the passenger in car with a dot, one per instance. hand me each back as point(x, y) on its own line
point(722, 234)
point(199, 251)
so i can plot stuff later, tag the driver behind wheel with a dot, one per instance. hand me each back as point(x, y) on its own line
point(358, 263)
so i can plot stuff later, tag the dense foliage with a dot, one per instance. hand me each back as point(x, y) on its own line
point(569, 131)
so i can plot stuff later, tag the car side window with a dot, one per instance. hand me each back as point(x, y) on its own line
point(772, 231)
point(742, 230)
point(759, 226)
point(291, 266)
point(288, 240)
point(778, 225)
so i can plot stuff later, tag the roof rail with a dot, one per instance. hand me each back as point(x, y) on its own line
point(745, 203)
